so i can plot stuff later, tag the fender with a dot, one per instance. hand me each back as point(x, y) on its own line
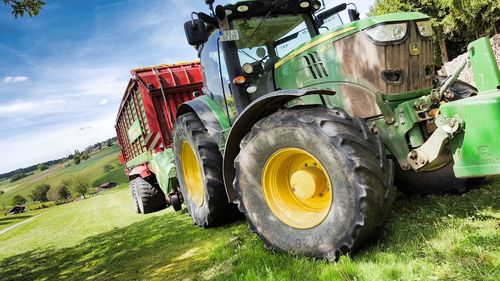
point(142, 171)
point(210, 114)
point(163, 166)
point(258, 109)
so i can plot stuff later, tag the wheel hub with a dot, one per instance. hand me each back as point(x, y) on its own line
point(297, 188)
point(306, 183)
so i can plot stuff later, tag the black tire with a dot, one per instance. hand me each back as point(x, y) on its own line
point(440, 181)
point(149, 197)
point(176, 202)
point(215, 208)
point(132, 185)
point(359, 171)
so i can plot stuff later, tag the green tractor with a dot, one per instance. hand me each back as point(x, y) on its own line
point(304, 127)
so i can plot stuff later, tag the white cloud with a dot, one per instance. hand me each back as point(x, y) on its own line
point(32, 108)
point(53, 142)
point(104, 101)
point(15, 79)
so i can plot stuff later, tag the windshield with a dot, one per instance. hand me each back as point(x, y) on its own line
point(271, 37)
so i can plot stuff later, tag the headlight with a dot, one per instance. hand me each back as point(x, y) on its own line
point(247, 68)
point(304, 4)
point(242, 8)
point(387, 32)
point(425, 28)
point(251, 89)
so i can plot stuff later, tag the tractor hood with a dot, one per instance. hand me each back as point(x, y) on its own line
point(389, 55)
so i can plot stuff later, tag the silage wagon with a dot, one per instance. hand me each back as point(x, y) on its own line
point(144, 128)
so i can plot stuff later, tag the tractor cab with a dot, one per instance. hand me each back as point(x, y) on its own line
point(240, 44)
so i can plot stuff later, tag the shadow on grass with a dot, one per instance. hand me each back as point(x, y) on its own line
point(413, 241)
point(170, 247)
point(166, 245)
point(8, 219)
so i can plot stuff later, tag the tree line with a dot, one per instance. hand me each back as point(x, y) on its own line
point(67, 189)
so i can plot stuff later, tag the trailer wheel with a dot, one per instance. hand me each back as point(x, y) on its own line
point(176, 202)
point(199, 170)
point(149, 198)
point(134, 197)
point(314, 181)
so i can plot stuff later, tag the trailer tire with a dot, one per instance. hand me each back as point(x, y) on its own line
point(134, 197)
point(149, 197)
point(176, 202)
point(199, 171)
point(352, 182)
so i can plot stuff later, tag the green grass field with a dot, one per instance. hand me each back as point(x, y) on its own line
point(91, 169)
point(453, 237)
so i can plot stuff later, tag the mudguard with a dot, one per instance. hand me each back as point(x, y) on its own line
point(258, 109)
point(210, 114)
point(163, 166)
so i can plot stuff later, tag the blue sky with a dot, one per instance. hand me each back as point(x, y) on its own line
point(63, 73)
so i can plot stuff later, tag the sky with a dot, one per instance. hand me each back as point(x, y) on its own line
point(63, 73)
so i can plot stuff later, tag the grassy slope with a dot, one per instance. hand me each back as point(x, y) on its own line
point(431, 238)
point(91, 169)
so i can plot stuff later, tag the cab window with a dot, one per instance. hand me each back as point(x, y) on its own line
point(215, 84)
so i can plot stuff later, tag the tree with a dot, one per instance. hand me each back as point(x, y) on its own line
point(107, 168)
point(20, 7)
point(42, 167)
point(85, 156)
point(18, 200)
point(80, 186)
point(2, 192)
point(17, 177)
point(456, 23)
point(39, 193)
point(63, 188)
point(77, 159)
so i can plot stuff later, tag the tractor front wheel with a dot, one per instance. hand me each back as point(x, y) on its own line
point(199, 170)
point(313, 181)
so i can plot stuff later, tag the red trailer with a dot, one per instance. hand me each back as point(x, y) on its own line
point(144, 128)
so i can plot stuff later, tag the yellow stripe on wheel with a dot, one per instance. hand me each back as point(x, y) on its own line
point(192, 174)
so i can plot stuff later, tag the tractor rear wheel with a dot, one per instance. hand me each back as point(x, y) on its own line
point(313, 181)
point(149, 198)
point(199, 170)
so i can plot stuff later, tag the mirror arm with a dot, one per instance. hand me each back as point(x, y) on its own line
point(207, 19)
point(330, 12)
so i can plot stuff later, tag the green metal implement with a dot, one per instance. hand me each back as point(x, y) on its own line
point(476, 148)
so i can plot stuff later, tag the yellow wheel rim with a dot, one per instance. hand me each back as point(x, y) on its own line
point(191, 172)
point(297, 188)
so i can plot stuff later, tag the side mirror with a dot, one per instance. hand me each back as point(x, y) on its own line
point(196, 33)
point(353, 14)
point(330, 12)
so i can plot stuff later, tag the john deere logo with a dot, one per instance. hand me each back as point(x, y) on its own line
point(415, 48)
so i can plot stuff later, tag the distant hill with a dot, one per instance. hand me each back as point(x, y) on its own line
point(28, 170)
point(101, 166)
